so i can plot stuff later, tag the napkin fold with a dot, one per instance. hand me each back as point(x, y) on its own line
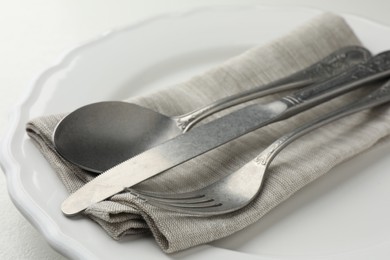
point(299, 164)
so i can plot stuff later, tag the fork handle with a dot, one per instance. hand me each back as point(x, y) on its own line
point(375, 98)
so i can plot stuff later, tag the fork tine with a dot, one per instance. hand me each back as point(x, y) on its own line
point(205, 204)
point(180, 201)
point(205, 211)
point(184, 204)
point(168, 196)
point(177, 199)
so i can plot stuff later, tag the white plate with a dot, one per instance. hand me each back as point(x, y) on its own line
point(344, 215)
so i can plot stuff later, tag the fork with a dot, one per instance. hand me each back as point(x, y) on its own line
point(238, 189)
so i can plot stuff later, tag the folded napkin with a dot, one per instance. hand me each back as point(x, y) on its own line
point(299, 164)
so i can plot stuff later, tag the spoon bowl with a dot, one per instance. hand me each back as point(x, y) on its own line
point(102, 130)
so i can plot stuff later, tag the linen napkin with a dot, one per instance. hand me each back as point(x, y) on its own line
point(300, 163)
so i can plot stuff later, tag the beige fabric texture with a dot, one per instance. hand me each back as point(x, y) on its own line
point(299, 164)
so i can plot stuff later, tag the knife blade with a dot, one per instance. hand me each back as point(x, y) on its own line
point(218, 132)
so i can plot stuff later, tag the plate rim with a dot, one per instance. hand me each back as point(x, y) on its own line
point(58, 240)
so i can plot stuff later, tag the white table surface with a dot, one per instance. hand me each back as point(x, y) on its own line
point(33, 34)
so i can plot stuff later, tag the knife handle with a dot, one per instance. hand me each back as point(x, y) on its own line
point(375, 68)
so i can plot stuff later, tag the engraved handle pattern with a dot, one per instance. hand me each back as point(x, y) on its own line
point(375, 98)
point(377, 67)
point(335, 63)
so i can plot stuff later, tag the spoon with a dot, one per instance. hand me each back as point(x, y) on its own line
point(98, 136)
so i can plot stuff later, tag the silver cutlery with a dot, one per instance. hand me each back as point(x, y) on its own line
point(238, 189)
point(98, 136)
point(218, 132)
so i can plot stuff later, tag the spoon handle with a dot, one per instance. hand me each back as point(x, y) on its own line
point(378, 97)
point(331, 65)
point(378, 67)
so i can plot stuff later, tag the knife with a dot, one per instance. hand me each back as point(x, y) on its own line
point(218, 132)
